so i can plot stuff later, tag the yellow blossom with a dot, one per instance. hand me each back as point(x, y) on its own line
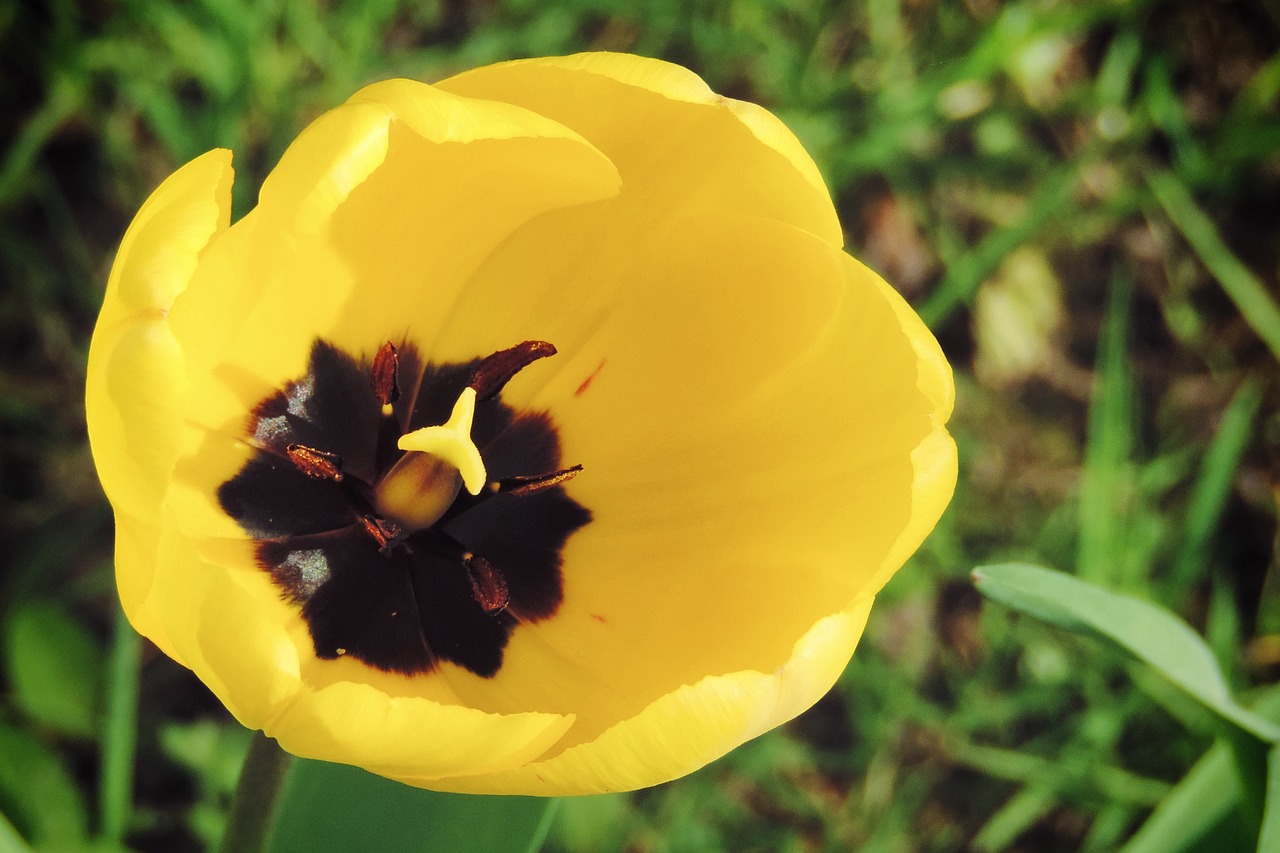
point(533, 434)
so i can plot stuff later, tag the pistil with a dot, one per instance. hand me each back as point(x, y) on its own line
point(420, 487)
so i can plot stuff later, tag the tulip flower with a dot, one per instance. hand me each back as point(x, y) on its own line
point(533, 433)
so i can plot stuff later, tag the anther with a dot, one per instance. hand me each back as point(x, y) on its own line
point(383, 531)
point(488, 586)
point(495, 371)
point(386, 383)
point(528, 485)
point(316, 464)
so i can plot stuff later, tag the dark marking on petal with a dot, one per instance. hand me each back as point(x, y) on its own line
point(488, 587)
point(332, 406)
point(457, 628)
point(271, 498)
point(492, 374)
point(402, 601)
point(368, 609)
point(586, 383)
point(386, 368)
point(315, 463)
point(525, 536)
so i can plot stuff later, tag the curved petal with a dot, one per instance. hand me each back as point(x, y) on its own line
point(252, 651)
point(137, 555)
point(680, 141)
point(135, 385)
point(782, 445)
point(370, 228)
point(689, 727)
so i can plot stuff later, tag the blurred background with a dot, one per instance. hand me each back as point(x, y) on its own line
point(1079, 197)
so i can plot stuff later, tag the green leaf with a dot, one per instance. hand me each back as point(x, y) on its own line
point(55, 667)
point(38, 794)
point(10, 840)
point(1269, 838)
point(1148, 632)
point(333, 807)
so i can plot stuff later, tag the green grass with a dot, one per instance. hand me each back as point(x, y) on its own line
point(1126, 152)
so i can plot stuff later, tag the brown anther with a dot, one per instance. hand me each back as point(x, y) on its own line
point(386, 365)
point(316, 464)
point(495, 371)
point(488, 586)
point(385, 532)
point(528, 485)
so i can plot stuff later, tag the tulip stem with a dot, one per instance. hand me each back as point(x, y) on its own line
point(120, 735)
point(258, 797)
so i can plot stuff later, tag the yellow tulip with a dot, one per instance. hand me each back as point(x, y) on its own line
point(533, 434)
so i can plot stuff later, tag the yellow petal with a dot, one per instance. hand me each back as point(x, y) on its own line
point(381, 258)
point(794, 474)
point(253, 652)
point(355, 723)
point(689, 727)
point(680, 146)
point(137, 558)
point(134, 386)
point(161, 248)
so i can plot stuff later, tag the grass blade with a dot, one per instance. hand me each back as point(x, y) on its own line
point(1221, 461)
point(1103, 487)
point(969, 270)
point(1206, 796)
point(1242, 286)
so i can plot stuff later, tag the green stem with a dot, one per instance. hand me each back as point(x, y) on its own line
point(258, 796)
point(544, 826)
point(120, 735)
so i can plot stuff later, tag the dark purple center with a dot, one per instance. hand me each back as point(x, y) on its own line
point(403, 600)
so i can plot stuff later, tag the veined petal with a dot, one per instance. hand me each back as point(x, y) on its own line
point(690, 726)
point(680, 141)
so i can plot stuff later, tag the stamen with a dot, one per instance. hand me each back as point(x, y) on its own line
point(386, 383)
point(528, 485)
point(384, 531)
point(316, 464)
point(495, 371)
point(488, 586)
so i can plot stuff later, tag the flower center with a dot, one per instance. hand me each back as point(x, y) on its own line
point(411, 528)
